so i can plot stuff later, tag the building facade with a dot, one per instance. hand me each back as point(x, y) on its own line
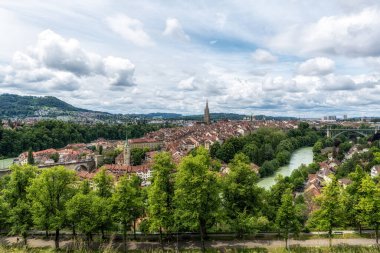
point(149, 143)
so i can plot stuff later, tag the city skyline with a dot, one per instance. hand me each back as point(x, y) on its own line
point(293, 58)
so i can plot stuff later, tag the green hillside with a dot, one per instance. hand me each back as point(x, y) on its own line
point(22, 106)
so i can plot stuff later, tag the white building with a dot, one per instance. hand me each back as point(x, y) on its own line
point(375, 171)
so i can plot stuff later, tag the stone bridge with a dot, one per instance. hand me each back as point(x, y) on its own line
point(87, 165)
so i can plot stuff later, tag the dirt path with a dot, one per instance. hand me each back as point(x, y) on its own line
point(278, 243)
point(36, 243)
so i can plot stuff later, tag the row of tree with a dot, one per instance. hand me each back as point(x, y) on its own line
point(54, 199)
point(357, 205)
point(187, 197)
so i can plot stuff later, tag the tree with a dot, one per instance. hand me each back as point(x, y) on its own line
point(4, 213)
point(345, 146)
point(318, 146)
point(267, 152)
point(139, 196)
point(103, 184)
point(252, 152)
point(100, 150)
point(160, 194)
point(55, 157)
point(103, 189)
point(196, 194)
point(275, 195)
point(287, 219)
point(241, 196)
point(85, 187)
point(330, 213)
point(83, 210)
point(226, 152)
point(15, 197)
point(369, 204)
point(125, 203)
point(285, 145)
point(137, 156)
point(267, 169)
point(352, 200)
point(283, 157)
point(214, 149)
point(21, 219)
point(30, 157)
point(49, 193)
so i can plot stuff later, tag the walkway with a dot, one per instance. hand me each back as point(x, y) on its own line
point(209, 244)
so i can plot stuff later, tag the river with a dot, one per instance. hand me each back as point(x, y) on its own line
point(299, 157)
point(5, 163)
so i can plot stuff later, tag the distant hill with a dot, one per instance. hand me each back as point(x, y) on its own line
point(15, 106)
point(28, 106)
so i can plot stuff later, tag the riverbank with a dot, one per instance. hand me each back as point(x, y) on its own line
point(5, 163)
point(299, 157)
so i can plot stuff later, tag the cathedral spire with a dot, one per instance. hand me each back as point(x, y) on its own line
point(206, 116)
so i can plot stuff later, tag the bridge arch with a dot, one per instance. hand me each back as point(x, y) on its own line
point(352, 131)
point(81, 167)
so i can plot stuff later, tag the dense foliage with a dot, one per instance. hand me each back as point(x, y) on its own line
point(189, 197)
point(138, 155)
point(194, 197)
point(57, 134)
point(266, 147)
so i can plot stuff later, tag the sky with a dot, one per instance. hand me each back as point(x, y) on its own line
point(300, 58)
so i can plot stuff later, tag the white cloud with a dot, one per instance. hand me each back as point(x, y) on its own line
point(221, 19)
point(332, 82)
point(174, 28)
point(354, 34)
point(187, 84)
point(54, 51)
point(317, 66)
point(130, 29)
point(56, 63)
point(223, 37)
point(119, 71)
point(263, 56)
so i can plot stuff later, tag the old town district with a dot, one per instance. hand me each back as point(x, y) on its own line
point(88, 158)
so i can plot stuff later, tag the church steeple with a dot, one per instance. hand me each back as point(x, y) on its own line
point(127, 151)
point(206, 116)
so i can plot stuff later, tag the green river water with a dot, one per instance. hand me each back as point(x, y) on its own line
point(5, 163)
point(299, 157)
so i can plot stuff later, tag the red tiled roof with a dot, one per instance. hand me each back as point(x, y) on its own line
point(85, 175)
point(142, 140)
point(126, 168)
point(46, 151)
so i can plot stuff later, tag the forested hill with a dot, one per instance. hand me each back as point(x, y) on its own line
point(23, 106)
point(15, 106)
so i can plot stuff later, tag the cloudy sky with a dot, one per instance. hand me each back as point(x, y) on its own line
point(279, 57)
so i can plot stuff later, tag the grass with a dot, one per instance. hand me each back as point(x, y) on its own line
point(343, 236)
point(296, 249)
